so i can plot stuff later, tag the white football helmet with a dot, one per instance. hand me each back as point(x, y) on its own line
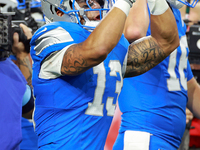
point(71, 14)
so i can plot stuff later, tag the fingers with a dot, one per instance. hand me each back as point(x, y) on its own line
point(189, 115)
point(15, 38)
point(17, 47)
point(26, 31)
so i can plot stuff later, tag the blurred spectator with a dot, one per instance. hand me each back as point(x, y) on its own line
point(192, 134)
point(192, 14)
point(153, 104)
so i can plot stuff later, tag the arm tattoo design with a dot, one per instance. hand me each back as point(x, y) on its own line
point(143, 56)
point(25, 67)
point(73, 62)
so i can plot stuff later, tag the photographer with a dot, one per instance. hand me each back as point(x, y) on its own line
point(192, 14)
point(16, 96)
point(191, 17)
point(23, 61)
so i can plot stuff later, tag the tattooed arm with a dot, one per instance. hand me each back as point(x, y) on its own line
point(23, 58)
point(80, 57)
point(24, 64)
point(143, 56)
point(150, 51)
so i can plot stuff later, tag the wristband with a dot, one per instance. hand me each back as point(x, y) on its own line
point(28, 100)
point(123, 5)
point(157, 7)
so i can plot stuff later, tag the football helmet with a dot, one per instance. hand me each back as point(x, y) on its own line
point(73, 12)
point(33, 4)
point(180, 3)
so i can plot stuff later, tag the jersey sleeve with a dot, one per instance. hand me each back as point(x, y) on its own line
point(49, 44)
point(50, 41)
point(52, 70)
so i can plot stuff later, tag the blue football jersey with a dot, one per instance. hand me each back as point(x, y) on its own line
point(74, 112)
point(155, 101)
point(12, 89)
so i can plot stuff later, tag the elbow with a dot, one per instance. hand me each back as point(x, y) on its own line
point(174, 41)
point(99, 55)
point(102, 54)
point(169, 41)
point(177, 41)
point(132, 34)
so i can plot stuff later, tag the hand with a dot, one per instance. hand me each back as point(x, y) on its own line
point(18, 48)
point(26, 31)
point(189, 115)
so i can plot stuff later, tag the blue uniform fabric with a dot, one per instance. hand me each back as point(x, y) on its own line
point(12, 89)
point(75, 112)
point(29, 137)
point(155, 101)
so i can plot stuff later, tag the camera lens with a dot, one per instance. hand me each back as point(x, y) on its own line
point(5, 27)
point(4, 33)
point(5, 40)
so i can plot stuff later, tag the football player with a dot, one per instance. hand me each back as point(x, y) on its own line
point(80, 60)
point(153, 104)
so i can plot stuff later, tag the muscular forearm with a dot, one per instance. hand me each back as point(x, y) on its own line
point(164, 31)
point(24, 64)
point(80, 57)
point(152, 50)
point(137, 21)
point(108, 33)
point(143, 55)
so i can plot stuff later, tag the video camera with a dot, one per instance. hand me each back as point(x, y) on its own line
point(7, 29)
point(9, 24)
point(194, 43)
point(5, 35)
point(24, 15)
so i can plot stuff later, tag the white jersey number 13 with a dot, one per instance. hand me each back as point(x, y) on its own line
point(96, 107)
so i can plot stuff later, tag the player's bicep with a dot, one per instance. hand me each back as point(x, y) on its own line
point(80, 57)
point(76, 60)
point(143, 55)
point(51, 47)
point(68, 61)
